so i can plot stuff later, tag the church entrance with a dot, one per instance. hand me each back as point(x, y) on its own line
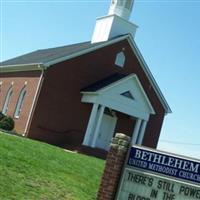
point(121, 94)
point(106, 131)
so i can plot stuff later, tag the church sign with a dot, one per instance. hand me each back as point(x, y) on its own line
point(154, 175)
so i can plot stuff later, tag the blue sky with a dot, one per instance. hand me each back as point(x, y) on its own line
point(168, 38)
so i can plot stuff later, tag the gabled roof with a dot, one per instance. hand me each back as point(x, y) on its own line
point(45, 58)
point(42, 59)
point(46, 55)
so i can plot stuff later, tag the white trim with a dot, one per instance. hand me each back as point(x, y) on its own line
point(7, 99)
point(34, 104)
point(149, 74)
point(20, 102)
point(114, 84)
point(142, 132)
point(136, 131)
point(98, 123)
point(90, 125)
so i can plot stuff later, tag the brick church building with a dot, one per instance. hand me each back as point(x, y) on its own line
point(80, 95)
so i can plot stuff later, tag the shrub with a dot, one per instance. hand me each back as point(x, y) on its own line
point(1, 116)
point(7, 123)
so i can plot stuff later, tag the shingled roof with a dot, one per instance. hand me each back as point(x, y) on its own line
point(103, 83)
point(46, 55)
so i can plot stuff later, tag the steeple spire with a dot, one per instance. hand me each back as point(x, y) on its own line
point(122, 8)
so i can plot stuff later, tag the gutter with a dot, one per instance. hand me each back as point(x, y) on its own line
point(21, 67)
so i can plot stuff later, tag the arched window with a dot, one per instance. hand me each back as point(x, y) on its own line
point(7, 100)
point(20, 103)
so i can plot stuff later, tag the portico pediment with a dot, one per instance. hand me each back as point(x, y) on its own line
point(123, 93)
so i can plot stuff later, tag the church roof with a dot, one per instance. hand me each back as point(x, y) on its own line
point(46, 55)
point(104, 82)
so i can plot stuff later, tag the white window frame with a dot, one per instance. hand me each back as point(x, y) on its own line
point(20, 102)
point(7, 100)
point(120, 59)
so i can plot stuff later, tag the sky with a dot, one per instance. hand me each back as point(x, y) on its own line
point(168, 38)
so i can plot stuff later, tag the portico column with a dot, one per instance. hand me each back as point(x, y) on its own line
point(136, 131)
point(98, 123)
point(141, 133)
point(90, 126)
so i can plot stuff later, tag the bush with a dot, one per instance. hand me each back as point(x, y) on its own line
point(7, 123)
point(1, 116)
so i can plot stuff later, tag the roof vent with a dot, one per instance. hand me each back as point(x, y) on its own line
point(128, 95)
point(120, 59)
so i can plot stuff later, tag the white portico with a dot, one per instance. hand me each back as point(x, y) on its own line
point(121, 93)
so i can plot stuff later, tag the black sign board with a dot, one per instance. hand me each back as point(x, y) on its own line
point(165, 164)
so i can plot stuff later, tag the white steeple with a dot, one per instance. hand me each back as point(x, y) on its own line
point(116, 23)
point(121, 8)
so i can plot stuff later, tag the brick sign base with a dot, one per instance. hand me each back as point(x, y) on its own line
point(113, 168)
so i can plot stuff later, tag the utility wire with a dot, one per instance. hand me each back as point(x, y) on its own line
point(179, 143)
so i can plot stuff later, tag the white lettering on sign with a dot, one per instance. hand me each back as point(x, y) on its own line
point(167, 161)
point(139, 185)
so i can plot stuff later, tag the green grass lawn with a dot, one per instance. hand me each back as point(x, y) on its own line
point(30, 170)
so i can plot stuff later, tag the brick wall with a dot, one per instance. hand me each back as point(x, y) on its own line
point(113, 168)
point(19, 80)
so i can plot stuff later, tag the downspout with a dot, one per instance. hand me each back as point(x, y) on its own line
point(35, 99)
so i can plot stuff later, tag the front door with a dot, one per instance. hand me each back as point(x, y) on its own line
point(106, 131)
